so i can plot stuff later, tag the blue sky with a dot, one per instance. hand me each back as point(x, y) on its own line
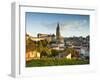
point(46, 23)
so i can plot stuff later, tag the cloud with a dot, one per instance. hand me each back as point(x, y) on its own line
point(77, 27)
point(71, 27)
point(74, 25)
point(49, 26)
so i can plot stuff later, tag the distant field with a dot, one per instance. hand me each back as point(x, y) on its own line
point(54, 62)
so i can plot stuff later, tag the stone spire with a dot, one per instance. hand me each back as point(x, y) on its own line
point(58, 32)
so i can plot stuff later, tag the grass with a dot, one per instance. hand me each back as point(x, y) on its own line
point(54, 62)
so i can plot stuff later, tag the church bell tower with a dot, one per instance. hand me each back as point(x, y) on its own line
point(58, 32)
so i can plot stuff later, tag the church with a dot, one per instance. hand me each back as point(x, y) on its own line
point(59, 38)
point(59, 45)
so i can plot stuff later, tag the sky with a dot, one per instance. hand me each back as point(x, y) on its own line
point(46, 23)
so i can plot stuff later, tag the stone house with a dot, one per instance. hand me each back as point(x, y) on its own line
point(32, 55)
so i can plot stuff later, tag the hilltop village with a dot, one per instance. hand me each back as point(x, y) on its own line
point(56, 46)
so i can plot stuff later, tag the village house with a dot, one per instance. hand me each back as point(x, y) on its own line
point(64, 55)
point(30, 55)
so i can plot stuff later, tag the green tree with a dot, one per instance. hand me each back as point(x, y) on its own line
point(73, 52)
point(43, 49)
point(30, 45)
point(54, 53)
